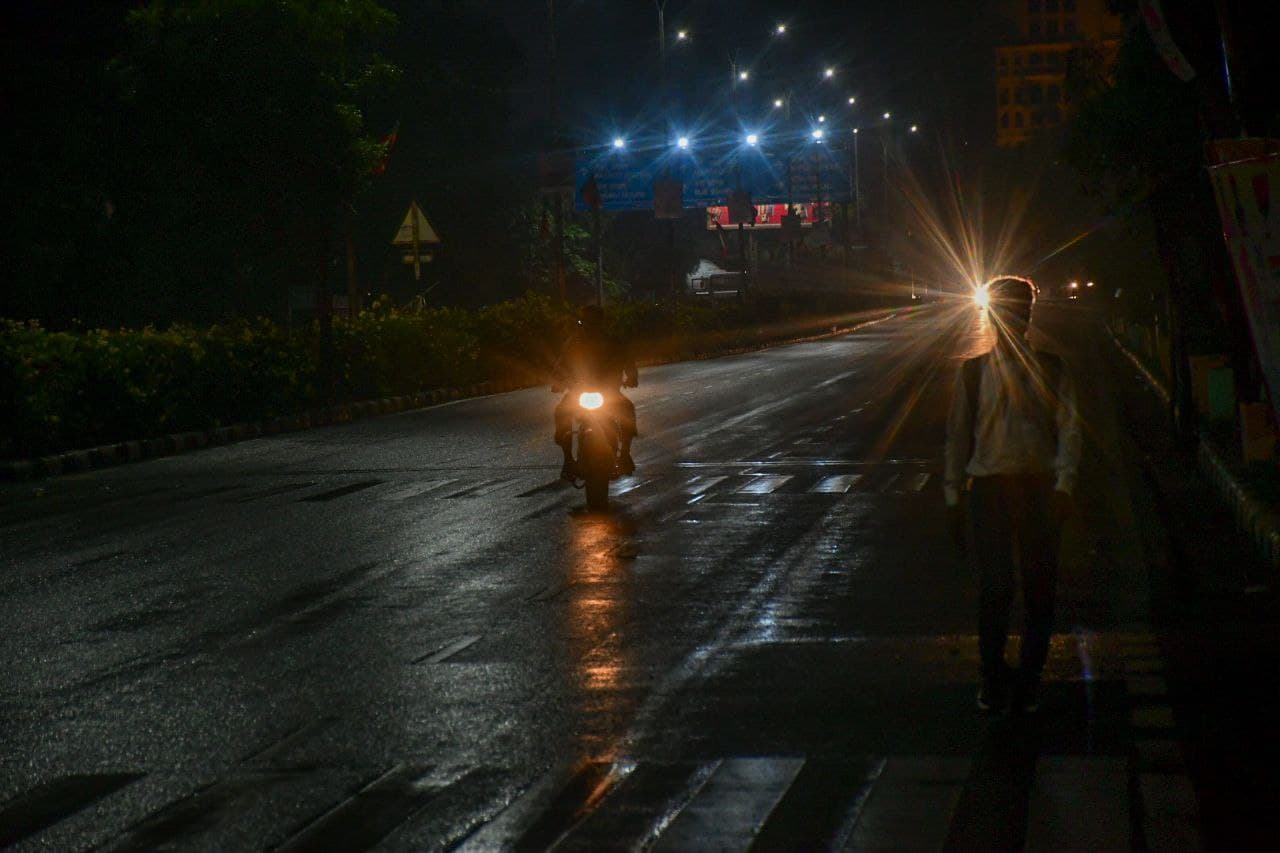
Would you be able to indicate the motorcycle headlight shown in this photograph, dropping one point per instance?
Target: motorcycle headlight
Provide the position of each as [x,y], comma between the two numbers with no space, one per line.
[590,400]
[982,297]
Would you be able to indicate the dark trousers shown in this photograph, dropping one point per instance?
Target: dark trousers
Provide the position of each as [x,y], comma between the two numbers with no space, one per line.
[620,408]
[1011,523]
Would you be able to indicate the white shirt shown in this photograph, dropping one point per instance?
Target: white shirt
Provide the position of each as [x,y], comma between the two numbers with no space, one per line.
[1012,434]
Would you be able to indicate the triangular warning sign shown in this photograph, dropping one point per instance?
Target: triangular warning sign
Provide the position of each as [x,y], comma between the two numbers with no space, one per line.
[415,219]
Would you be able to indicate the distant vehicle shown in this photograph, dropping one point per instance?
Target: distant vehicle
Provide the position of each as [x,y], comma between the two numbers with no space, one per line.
[724,284]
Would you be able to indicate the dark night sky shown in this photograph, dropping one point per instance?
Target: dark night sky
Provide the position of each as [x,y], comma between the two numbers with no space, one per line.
[928,61]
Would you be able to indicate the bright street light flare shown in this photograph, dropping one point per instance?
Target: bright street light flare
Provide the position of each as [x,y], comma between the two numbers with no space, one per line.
[830,72]
[619,142]
[743,75]
[887,116]
[817,134]
[780,29]
[982,296]
[777,102]
[682,142]
[852,101]
[914,128]
[752,139]
[822,119]
[681,35]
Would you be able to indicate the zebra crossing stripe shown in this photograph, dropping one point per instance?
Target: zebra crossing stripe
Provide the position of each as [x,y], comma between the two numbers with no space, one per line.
[763,484]
[1079,803]
[837,484]
[700,485]
[731,806]
[911,804]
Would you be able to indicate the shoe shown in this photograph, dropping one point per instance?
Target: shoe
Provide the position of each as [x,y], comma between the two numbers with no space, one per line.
[626,465]
[993,696]
[1026,695]
[568,471]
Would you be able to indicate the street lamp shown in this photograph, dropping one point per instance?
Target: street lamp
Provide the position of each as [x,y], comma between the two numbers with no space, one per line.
[781,29]
[752,139]
[817,134]
[619,142]
[821,119]
[887,116]
[852,100]
[829,73]
[914,128]
[682,35]
[683,143]
[744,75]
[777,103]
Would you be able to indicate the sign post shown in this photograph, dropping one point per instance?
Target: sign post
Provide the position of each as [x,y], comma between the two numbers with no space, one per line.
[414,231]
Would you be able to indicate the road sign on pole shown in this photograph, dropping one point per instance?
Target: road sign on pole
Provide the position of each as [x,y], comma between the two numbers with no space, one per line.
[414,231]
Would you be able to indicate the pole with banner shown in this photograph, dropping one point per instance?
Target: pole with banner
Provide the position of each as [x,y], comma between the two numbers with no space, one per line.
[668,205]
[1245,174]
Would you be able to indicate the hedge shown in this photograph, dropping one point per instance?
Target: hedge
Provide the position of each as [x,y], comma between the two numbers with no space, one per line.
[61,390]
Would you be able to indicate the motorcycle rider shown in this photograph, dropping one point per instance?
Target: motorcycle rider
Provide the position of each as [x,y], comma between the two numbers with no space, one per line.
[594,360]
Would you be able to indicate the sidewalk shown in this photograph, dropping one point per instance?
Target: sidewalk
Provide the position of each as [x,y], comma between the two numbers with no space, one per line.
[1255,515]
[1215,613]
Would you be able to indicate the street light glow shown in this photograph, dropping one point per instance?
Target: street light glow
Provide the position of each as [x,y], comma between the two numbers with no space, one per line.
[852,100]
[681,35]
[817,134]
[855,130]
[914,128]
[780,29]
[682,142]
[830,72]
[886,116]
[777,102]
[619,142]
[752,139]
[822,119]
[742,75]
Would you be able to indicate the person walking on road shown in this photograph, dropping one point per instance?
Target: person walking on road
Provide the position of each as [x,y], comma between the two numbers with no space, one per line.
[1014,437]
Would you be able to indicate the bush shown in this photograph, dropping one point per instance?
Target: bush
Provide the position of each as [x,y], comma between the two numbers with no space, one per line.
[60,390]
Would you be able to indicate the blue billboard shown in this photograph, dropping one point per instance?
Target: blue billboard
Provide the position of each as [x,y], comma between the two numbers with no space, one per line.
[625,178]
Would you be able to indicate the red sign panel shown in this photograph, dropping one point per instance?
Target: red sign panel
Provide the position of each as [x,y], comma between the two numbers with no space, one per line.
[768,216]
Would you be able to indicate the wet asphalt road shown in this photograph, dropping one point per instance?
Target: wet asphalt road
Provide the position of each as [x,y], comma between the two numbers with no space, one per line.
[403,632]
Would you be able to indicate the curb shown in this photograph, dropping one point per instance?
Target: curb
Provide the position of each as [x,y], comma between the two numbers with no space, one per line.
[106,455]
[1257,520]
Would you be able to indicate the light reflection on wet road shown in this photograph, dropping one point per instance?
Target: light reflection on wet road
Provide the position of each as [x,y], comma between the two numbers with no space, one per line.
[403,631]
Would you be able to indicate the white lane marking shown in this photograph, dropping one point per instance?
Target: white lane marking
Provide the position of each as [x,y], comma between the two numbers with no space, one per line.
[835,379]
[416,489]
[889,483]
[763,484]
[837,484]
[629,484]
[448,651]
[917,481]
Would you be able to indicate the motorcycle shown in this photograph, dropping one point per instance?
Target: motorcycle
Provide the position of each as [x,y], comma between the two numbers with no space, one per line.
[595,448]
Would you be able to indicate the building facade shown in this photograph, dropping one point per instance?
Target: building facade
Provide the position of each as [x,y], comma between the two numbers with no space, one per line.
[1031,68]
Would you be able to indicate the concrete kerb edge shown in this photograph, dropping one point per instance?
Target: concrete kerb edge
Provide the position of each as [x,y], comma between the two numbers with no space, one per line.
[1255,519]
[136,450]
